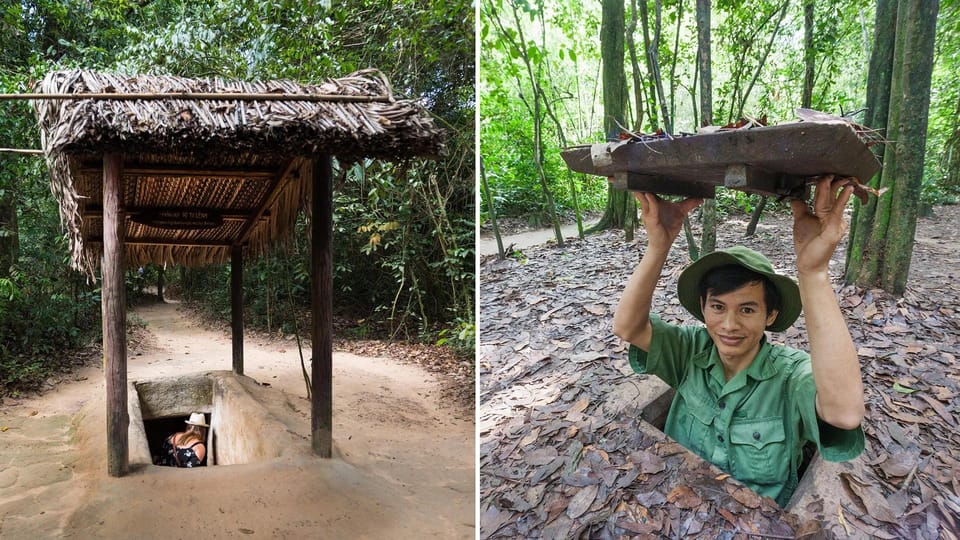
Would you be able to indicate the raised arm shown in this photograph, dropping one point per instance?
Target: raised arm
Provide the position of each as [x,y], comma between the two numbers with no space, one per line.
[836,369]
[663,221]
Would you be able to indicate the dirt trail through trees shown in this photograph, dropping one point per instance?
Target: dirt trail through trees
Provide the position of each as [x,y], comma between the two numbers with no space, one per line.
[403,466]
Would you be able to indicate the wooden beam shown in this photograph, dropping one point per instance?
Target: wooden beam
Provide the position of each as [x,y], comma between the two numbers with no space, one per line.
[96,211]
[321,285]
[180,171]
[274,191]
[236,306]
[166,242]
[114,320]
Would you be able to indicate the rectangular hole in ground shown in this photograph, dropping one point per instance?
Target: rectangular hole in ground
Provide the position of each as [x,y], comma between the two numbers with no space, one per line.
[655,414]
[158,429]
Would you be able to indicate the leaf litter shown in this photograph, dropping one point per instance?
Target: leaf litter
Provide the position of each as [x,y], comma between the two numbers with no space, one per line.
[561,457]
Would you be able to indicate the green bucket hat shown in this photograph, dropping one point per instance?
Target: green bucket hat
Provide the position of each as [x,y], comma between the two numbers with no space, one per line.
[688,285]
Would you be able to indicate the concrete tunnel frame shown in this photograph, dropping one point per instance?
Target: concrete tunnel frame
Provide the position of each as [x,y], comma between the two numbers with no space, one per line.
[241,429]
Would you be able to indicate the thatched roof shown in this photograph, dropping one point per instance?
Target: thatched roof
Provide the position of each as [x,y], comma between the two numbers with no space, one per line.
[239,166]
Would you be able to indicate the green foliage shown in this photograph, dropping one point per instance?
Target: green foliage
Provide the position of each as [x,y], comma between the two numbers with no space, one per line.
[569,83]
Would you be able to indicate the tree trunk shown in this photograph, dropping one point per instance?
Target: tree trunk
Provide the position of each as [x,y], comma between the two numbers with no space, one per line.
[951,153]
[492,209]
[708,236]
[879,78]
[886,258]
[809,55]
[9,233]
[160,283]
[755,217]
[614,105]
[551,206]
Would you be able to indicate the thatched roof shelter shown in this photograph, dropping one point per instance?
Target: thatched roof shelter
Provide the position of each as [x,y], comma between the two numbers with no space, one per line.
[172,170]
[202,175]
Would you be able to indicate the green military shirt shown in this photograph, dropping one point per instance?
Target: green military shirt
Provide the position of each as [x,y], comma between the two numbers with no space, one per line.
[753,426]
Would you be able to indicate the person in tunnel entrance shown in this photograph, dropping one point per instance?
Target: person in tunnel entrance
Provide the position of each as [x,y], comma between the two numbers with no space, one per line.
[743,404]
[187,448]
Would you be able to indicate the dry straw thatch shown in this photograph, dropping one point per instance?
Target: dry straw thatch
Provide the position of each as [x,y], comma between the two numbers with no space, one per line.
[246,161]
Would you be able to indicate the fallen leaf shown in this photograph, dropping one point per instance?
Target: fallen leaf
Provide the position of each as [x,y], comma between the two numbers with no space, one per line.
[530,437]
[747,497]
[540,456]
[596,309]
[871,498]
[580,405]
[899,464]
[903,389]
[728,516]
[581,501]
[684,497]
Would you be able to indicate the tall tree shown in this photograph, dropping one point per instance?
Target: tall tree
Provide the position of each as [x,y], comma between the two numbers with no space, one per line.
[708,237]
[879,80]
[9,235]
[619,203]
[887,240]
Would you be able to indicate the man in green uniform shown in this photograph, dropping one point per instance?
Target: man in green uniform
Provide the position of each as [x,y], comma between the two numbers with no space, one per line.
[741,403]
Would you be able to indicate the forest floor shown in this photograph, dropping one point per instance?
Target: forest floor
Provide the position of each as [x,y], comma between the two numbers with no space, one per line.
[403,465]
[562,454]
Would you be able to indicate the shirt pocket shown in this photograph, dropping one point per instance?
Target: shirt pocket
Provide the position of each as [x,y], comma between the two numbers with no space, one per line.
[696,424]
[758,451]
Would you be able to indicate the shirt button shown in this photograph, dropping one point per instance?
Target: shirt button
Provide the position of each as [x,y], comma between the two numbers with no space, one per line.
[756,435]
[720,438]
[722,404]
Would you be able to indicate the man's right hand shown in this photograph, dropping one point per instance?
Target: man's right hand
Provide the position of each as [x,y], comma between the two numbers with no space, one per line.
[662,219]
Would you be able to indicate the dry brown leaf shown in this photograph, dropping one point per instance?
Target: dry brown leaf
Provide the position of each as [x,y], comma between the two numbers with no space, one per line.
[530,438]
[581,501]
[899,464]
[747,497]
[540,456]
[579,406]
[684,497]
[596,309]
[871,498]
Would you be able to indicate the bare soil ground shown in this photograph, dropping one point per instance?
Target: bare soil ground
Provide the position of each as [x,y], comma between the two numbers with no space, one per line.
[562,456]
[403,464]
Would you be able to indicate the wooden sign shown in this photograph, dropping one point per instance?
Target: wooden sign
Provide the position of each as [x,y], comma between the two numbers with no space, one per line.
[179,219]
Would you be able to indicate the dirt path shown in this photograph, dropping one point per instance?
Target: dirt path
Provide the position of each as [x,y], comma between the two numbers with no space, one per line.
[403,466]
[487,244]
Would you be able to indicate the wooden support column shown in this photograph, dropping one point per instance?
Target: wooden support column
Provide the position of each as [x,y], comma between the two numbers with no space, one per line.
[114,319]
[236,306]
[321,280]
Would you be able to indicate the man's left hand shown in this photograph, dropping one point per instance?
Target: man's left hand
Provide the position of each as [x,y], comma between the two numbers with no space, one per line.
[817,232]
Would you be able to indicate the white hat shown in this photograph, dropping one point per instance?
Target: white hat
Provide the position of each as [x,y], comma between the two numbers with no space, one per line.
[197,419]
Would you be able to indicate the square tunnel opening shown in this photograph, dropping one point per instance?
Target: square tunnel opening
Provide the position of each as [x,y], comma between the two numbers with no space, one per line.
[655,412]
[158,429]
[242,430]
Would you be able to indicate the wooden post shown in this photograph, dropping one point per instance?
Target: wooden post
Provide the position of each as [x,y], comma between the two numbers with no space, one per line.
[321,280]
[236,306]
[114,319]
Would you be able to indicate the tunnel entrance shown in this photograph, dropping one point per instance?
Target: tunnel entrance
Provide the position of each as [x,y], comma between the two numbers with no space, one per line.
[241,429]
[158,429]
